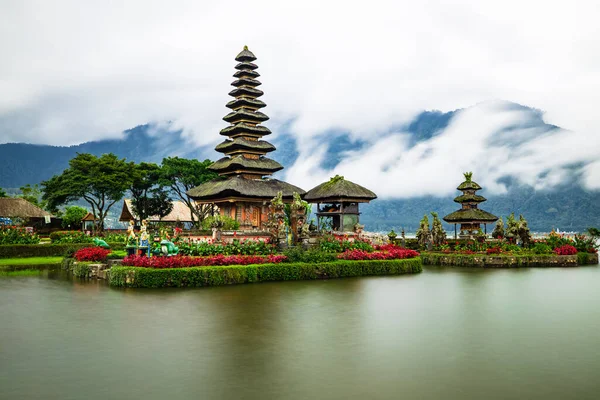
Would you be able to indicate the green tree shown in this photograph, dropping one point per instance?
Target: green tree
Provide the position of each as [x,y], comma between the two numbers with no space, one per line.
[423,233]
[181,175]
[100,181]
[148,196]
[3,193]
[33,194]
[73,216]
[498,232]
[438,234]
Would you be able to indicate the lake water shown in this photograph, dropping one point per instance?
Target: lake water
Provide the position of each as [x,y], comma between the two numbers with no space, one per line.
[444,333]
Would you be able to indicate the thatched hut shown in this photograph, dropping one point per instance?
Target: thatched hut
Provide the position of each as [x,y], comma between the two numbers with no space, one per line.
[31,215]
[337,202]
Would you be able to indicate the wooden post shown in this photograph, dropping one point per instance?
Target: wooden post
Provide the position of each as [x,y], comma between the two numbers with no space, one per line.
[455,237]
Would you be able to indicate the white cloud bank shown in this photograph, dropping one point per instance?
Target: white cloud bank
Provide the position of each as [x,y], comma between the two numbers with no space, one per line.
[73,71]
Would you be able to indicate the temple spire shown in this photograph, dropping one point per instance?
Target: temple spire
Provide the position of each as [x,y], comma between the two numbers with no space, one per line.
[245,151]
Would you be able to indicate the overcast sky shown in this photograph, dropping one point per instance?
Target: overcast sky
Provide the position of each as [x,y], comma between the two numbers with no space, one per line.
[74,71]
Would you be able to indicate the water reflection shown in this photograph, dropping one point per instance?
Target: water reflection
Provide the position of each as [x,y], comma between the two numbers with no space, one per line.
[451,333]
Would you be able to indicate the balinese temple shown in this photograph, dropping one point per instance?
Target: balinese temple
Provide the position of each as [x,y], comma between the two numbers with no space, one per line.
[470,217]
[337,203]
[245,189]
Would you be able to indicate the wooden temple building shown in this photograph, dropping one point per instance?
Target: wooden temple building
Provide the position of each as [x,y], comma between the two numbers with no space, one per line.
[245,188]
[470,217]
[337,203]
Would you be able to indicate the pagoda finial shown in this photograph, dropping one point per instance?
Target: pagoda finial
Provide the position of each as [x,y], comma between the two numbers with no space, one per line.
[245,47]
[468,176]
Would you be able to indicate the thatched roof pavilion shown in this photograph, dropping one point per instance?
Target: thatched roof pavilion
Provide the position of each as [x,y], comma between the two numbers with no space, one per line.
[16,207]
[247,189]
[340,199]
[470,217]
[34,216]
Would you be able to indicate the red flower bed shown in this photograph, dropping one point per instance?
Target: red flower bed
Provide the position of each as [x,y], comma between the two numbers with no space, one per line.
[185,261]
[565,250]
[385,252]
[494,250]
[91,254]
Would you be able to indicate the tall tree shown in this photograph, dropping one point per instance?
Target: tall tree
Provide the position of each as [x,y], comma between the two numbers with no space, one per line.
[3,193]
[73,216]
[181,175]
[148,195]
[100,181]
[33,194]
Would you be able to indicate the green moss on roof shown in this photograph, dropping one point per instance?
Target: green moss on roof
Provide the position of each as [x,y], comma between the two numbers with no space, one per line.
[241,187]
[470,198]
[248,115]
[241,127]
[246,102]
[241,143]
[226,164]
[245,55]
[246,91]
[339,188]
[246,82]
[470,215]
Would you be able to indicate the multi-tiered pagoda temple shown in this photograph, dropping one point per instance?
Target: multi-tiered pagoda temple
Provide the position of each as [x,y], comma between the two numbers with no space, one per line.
[245,192]
[470,217]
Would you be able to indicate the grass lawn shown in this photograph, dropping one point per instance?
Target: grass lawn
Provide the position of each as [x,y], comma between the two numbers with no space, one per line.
[30,261]
[23,272]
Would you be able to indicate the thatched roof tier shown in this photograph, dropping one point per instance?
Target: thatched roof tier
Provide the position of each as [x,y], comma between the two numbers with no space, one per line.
[246,91]
[242,164]
[246,82]
[246,130]
[180,212]
[244,115]
[246,73]
[473,215]
[89,217]
[246,102]
[470,198]
[16,207]
[237,144]
[245,55]
[338,189]
[246,65]
[469,185]
[239,187]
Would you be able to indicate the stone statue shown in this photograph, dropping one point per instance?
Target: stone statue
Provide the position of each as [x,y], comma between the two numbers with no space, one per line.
[131,238]
[144,234]
[276,219]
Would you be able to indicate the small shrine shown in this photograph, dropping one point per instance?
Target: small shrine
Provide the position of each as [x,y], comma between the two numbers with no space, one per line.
[470,217]
[337,204]
[245,189]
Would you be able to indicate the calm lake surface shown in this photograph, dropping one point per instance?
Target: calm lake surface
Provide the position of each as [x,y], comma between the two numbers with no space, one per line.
[445,333]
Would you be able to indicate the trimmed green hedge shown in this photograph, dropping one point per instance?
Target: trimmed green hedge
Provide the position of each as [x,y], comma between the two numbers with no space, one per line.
[47,250]
[507,261]
[228,275]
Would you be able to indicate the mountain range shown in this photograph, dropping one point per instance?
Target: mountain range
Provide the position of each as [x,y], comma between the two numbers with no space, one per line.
[567,206]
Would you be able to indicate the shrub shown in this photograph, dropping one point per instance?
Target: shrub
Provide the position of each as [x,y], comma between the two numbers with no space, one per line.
[69,237]
[493,250]
[185,262]
[565,250]
[541,248]
[10,234]
[229,224]
[335,244]
[313,255]
[243,247]
[91,254]
[386,252]
[235,274]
